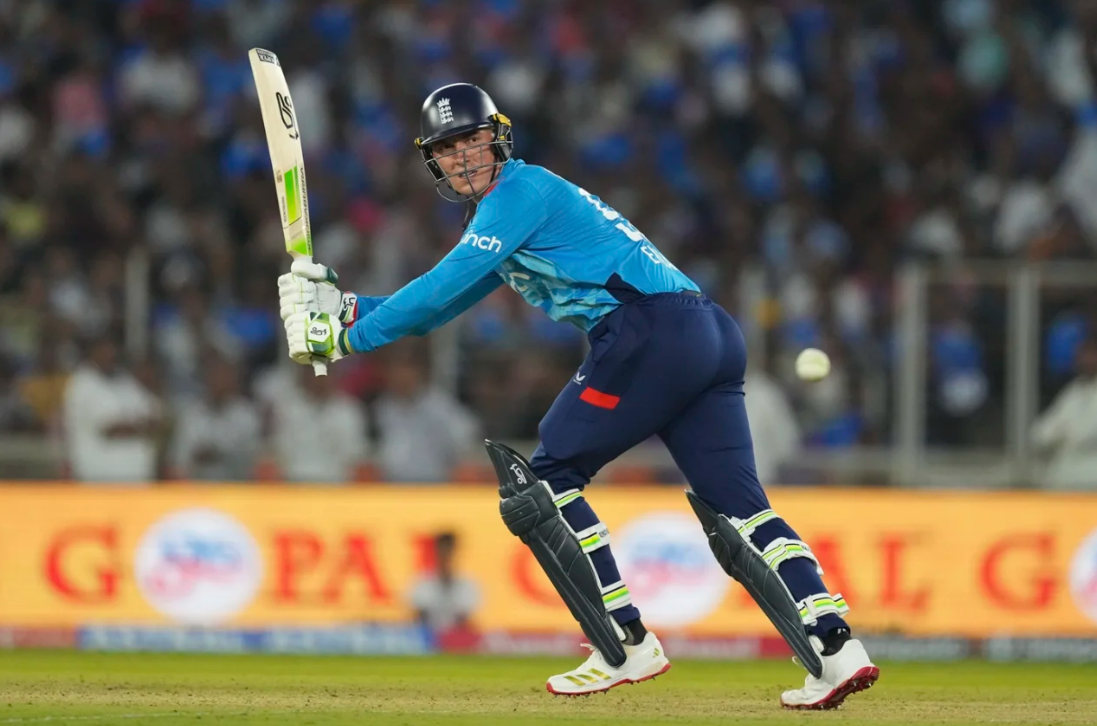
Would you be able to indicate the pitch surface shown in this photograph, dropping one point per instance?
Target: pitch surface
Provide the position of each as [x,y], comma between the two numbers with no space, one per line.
[89,689]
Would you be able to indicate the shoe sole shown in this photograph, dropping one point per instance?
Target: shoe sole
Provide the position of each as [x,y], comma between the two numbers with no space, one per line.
[664,669]
[860,681]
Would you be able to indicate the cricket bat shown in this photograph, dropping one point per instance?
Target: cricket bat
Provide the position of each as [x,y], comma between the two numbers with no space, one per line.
[284,144]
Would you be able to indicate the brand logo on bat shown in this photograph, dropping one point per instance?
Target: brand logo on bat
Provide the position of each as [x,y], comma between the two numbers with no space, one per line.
[267,57]
[444,112]
[491,244]
[285,109]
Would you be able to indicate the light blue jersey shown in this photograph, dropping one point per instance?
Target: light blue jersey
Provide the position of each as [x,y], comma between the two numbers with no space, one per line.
[558,246]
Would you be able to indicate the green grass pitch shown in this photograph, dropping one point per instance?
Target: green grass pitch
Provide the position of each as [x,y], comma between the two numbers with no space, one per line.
[61,688]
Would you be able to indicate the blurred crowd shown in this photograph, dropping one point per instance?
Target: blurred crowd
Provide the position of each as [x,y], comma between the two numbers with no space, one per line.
[822,142]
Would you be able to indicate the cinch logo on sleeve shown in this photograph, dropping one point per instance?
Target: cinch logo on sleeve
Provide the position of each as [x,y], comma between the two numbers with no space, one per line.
[491,244]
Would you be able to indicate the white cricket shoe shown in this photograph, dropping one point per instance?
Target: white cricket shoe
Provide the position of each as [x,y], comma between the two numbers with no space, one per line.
[847,671]
[642,662]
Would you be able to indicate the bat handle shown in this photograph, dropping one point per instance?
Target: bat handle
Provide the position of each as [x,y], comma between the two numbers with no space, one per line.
[319,367]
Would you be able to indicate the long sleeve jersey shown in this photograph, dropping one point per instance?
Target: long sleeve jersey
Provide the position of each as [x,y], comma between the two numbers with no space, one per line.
[558,246]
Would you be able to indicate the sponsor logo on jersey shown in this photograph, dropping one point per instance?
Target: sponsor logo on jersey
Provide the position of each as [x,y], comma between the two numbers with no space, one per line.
[491,244]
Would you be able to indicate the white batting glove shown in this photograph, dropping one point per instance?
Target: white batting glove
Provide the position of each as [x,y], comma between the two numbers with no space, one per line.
[316,336]
[309,287]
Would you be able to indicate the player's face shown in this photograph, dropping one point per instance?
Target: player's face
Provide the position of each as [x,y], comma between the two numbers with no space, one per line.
[467,161]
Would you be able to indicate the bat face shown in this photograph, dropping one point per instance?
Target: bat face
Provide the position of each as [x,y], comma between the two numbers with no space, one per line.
[284,144]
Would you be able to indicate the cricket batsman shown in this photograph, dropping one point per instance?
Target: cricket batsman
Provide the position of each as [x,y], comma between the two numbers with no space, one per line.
[664,360]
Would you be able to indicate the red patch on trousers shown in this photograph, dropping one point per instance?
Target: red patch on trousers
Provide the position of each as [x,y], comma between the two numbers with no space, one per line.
[599,399]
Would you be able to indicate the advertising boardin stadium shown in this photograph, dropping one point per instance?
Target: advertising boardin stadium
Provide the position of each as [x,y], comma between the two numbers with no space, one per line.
[919,563]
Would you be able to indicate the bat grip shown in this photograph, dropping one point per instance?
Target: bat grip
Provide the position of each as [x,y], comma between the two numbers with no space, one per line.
[319,367]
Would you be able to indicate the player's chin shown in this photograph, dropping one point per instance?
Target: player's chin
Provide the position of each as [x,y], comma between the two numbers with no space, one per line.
[474,184]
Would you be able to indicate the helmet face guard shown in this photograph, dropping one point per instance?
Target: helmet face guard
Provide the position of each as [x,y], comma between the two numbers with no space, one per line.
[501,144]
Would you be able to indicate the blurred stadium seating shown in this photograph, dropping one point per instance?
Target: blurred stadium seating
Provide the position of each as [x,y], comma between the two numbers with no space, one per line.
[793,156]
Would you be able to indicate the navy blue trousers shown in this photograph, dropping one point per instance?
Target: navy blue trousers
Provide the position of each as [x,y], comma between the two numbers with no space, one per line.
[670,365]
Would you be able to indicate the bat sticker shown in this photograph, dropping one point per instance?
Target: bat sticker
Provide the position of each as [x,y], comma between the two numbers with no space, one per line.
[267,57]
[286,111]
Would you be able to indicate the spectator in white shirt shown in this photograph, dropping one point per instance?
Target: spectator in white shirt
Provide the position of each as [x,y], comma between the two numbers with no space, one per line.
[444,600]
[112,422]
[424,431]
[319,434]
[773,424]
[1067,430]
[217,435]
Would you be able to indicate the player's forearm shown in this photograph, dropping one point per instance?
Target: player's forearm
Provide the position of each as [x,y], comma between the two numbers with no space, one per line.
[368,303]
[475,294]
[391,321]
[383,326]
